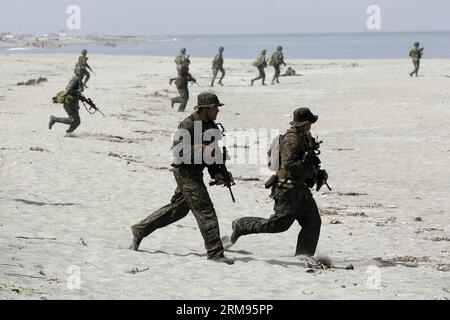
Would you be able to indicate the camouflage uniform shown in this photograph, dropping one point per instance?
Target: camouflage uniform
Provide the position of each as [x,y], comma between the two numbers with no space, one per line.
[277,59]
[260,63]
[179,59]
[82,67]
[217,65]
[182,86]
[190,195]
[71,105]
[416,55]
[289,72]
[293,198]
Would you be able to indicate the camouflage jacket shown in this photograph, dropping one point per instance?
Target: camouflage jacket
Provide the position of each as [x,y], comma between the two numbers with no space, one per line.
[218,61]
[290,72]
[179,59]
[82,62]
[74,88]
[277,58]
[193,142]
[415,53]
[183,78]
[73,92]
[293,147]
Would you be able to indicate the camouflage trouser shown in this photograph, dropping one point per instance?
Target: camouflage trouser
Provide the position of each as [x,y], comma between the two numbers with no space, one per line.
[182,99]
[85,75]
[215,71]
[74,117]
[262,74]
[416,67]
[277,73]
[290,205]
[191,194]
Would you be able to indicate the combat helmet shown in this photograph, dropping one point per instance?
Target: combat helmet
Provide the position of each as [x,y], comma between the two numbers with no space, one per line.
[279,48]
[416,44]
[220,49]
[84,52]
[263,51]
[183,50]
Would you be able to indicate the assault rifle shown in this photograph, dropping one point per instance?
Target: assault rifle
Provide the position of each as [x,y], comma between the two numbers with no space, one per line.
[228,180]
[91,104]
[320,175]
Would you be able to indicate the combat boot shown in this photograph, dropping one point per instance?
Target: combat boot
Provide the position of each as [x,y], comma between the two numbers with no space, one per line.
[220,82]
[135,242]
[51,122]
[251,81]
[236,234]
[222,258]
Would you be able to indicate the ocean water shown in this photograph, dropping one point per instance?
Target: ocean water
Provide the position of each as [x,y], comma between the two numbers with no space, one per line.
[371,45]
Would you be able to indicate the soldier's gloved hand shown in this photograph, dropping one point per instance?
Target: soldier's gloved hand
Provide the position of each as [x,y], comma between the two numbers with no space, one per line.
[219,179]
[322,177]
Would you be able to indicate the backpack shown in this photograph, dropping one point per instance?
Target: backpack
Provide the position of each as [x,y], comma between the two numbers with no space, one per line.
[272,60]
[60,97]
[273,154]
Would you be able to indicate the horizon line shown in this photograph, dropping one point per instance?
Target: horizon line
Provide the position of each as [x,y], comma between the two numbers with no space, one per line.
[234,34]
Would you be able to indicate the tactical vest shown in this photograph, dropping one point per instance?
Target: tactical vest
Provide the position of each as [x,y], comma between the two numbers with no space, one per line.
[283,174]
[415,53]
[179,59]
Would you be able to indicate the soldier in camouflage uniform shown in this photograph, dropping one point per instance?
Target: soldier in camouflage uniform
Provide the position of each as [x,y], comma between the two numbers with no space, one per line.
[182,86]
[82,65]
[416,54]
[276,60]
[289,72]
[179,60]
[217,65]
[291,191]
[190,150]
[260,63]
[71,103]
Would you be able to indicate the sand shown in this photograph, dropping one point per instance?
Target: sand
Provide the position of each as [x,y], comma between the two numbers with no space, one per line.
[67,203]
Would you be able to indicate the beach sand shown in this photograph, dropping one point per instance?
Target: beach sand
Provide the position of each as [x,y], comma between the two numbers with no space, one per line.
[67,203]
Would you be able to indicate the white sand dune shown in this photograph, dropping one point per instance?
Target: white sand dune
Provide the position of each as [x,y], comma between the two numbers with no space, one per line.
[67,203]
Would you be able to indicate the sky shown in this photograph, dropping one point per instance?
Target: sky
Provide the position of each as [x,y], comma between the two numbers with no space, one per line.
[177,17]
